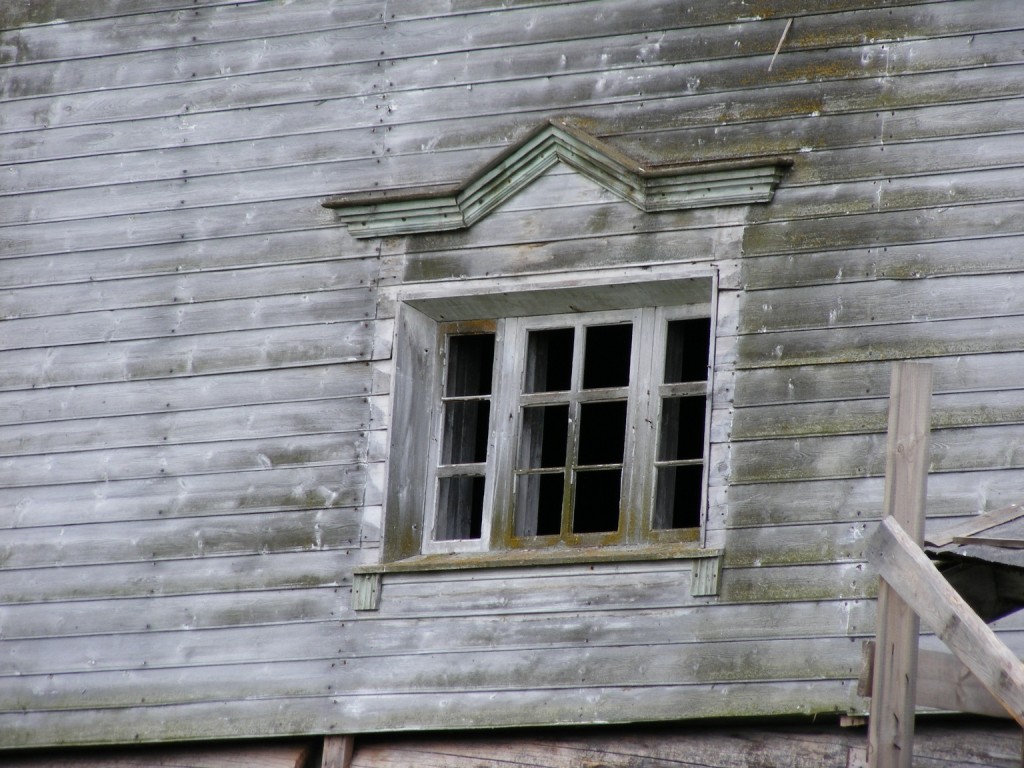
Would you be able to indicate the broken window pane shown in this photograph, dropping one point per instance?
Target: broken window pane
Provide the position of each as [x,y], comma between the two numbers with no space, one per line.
[470,364]
[544,436]
[602,432]
[549,360]
[465,431]
[606,357]
[686,350]
[596,506]
[539,501]
[677,499]
[682,428]
[460,508]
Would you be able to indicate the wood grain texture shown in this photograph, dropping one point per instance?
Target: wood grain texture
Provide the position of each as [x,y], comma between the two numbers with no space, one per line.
[196,362]
[905,566]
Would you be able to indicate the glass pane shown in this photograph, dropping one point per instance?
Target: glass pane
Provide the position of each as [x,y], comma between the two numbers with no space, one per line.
[682,428]
[596,506]
[606,357]
[549,360]
[460,508]
[602,432]
[545,432]
[470,364]
[686,350]
[465,431]
[539,504]
[677,497]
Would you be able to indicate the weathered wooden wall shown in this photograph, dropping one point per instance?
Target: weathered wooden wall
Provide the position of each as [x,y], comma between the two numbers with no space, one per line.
[194,361]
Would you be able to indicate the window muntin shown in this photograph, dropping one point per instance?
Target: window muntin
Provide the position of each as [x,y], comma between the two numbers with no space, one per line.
[594,431]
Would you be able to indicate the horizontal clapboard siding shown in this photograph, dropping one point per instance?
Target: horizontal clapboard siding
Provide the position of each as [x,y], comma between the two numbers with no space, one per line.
[195,359]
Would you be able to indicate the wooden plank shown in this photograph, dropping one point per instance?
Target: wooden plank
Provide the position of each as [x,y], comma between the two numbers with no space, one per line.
[154,541]
[86,199]
[73,636]
[160,228]
[142,724]
[955,496]
[975,525]
[875,301]
[571,671]
[27,13]
[295,248]
[943,683]
[168,357]
[215,457]
[284,489]
[842,457]
[685,45]
[284,755]
[872,344]
[176,27]
[180,289]
[839,52]
[887,228]
[944,744]
[786,543]
[868,415]
[891,727]
[984,374]
[337,751]
[902,564]
[410,653]
[99,626]
[240,573]
[126,398]
[352,153]
[245,422]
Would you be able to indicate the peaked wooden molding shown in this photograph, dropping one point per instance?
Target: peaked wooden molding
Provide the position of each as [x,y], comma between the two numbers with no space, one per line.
[649,188]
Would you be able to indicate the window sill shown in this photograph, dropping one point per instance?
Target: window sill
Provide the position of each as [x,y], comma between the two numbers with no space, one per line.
[706,568]
[513,558]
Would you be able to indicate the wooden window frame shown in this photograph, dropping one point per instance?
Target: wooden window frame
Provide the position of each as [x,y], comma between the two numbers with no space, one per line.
[422,324]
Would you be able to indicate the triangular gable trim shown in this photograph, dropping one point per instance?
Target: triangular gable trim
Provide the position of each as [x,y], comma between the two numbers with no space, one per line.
[649,188]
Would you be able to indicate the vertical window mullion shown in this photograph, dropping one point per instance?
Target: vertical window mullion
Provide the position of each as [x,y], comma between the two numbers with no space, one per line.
[643,395]
[573,448]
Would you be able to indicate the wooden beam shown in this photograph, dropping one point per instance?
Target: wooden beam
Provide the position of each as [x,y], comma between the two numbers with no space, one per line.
[891,727]
[975,525]
[338,751]
[943,682]
[905,567]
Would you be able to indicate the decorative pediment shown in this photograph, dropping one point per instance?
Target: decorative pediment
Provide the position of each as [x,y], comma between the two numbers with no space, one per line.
[650,188]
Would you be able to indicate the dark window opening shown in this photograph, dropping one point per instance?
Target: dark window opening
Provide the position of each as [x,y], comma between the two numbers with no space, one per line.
[539,503]
[549,360]
[606,356]
[677,497]
[602,432]
[596,504]
[460,507]
[682,428]
[465,433]
[686,350]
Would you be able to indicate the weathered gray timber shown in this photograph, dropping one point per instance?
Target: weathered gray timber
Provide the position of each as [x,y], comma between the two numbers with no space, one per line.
[197,360]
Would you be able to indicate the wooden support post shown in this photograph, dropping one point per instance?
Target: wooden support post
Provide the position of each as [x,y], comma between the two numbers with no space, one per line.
[902,563]
[338,751]
[891,727]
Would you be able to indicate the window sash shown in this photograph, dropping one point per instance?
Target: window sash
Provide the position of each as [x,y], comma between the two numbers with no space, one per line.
[507,400]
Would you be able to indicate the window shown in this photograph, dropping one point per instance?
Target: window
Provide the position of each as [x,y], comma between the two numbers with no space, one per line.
[553,419]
